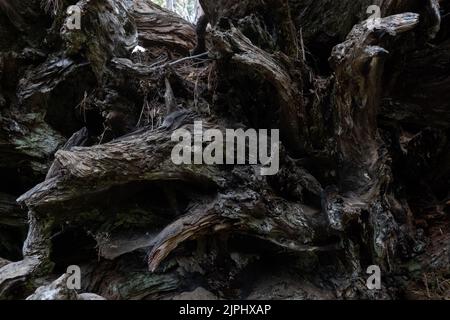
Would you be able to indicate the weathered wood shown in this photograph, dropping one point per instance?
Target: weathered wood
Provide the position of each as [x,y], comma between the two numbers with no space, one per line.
[358,64]
[288,225]
[364,157]
[237,51]
[10,212]
[161,28]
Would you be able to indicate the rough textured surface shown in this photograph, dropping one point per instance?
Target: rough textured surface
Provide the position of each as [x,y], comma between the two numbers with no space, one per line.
[57,290]
[86,118]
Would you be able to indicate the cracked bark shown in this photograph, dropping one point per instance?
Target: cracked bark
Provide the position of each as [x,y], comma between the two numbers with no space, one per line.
[85,140]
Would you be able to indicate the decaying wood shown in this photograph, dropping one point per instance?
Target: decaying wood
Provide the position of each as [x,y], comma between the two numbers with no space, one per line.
[358,64]
[58,290]
[86,119]
[238,52]
[288,225]
[159,27]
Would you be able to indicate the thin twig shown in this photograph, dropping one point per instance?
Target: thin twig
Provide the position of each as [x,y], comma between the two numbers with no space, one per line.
[302,44]
[189,58]
[172,63]
[426,285]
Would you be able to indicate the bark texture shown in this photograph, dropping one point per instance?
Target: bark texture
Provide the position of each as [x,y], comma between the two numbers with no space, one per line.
[87,179]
